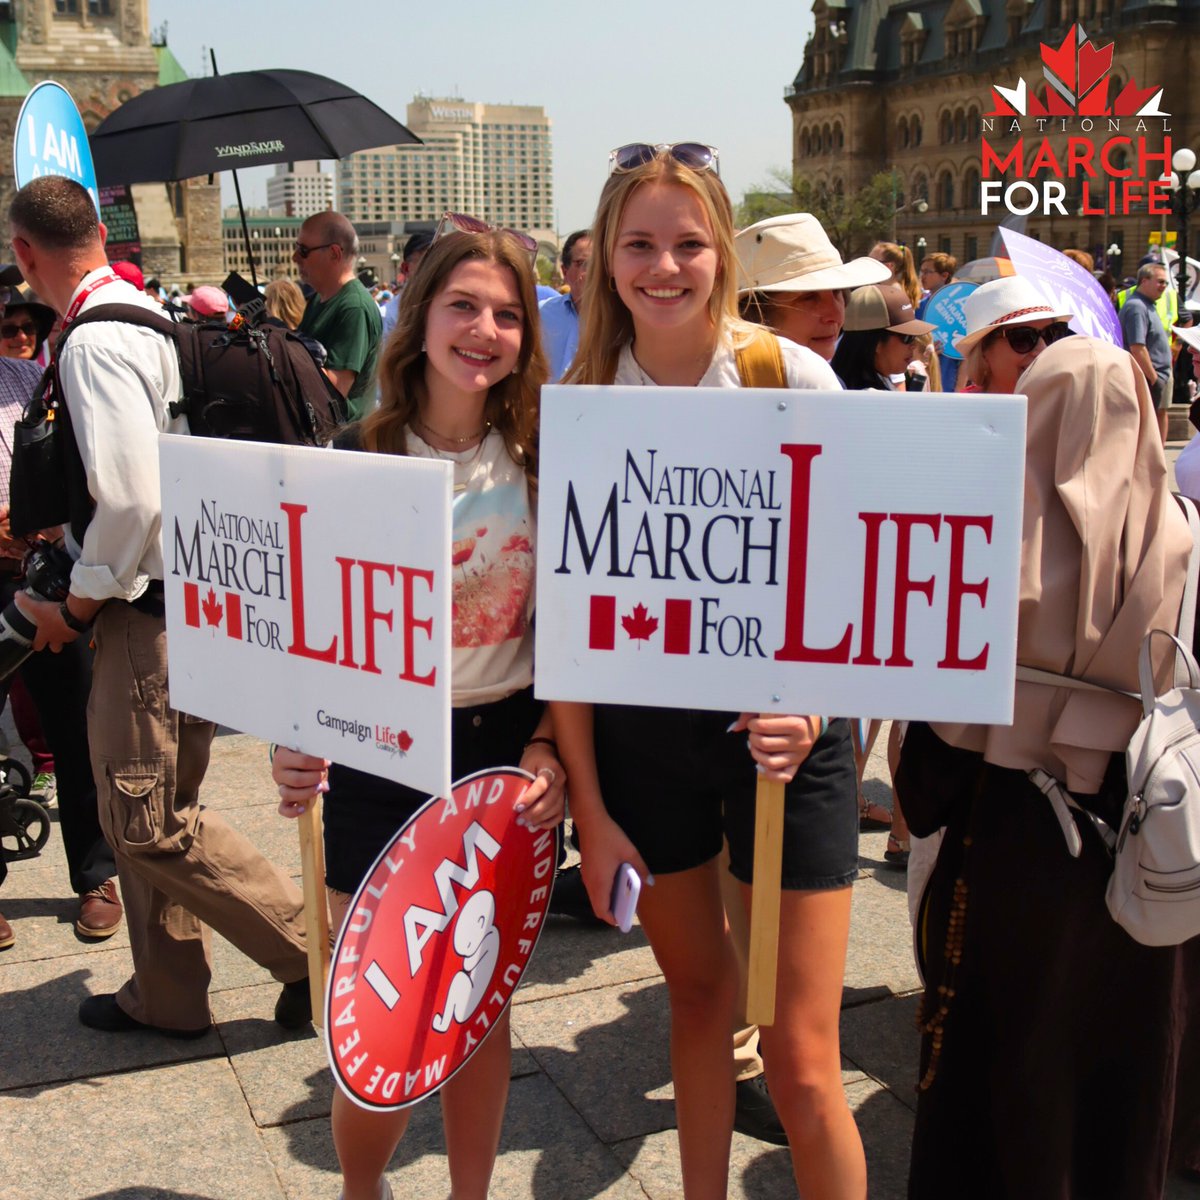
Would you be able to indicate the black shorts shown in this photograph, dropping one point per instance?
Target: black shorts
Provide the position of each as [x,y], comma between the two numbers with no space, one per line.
[363,812]
[677,817]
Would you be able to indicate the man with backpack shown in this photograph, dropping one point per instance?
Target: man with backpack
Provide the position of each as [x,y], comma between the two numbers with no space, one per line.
[182,868]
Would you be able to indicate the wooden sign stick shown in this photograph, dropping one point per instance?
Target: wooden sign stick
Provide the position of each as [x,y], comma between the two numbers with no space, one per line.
[764,909]
[316,911]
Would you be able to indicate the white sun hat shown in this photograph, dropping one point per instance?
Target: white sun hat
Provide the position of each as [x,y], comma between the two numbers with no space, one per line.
[1009,300]
[793,253]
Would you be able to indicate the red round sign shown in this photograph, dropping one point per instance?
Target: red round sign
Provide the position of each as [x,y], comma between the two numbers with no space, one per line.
[439,934]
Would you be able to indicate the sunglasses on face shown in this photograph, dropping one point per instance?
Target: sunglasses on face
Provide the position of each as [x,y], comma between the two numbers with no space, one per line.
[304,251]
[10,329]
[1022,338]
[906,338]
[452,222]
[696,156]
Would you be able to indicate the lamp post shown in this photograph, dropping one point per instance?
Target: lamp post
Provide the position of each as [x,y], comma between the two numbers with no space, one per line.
[397,259]
[921,244]
[1185,200]
[919,205]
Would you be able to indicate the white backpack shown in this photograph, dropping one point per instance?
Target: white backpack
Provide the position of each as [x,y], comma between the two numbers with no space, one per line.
[1154,891]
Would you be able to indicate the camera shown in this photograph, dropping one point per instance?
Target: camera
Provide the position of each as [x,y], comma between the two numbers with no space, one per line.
[47,577]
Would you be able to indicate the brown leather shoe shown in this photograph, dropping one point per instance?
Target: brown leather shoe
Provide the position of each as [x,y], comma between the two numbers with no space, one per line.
[100,911]
[7,937]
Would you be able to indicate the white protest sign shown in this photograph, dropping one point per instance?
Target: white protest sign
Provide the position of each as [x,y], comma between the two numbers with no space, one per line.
[780,551]
[308,600]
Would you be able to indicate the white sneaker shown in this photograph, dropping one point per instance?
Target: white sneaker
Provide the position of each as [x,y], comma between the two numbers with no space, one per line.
[44,787]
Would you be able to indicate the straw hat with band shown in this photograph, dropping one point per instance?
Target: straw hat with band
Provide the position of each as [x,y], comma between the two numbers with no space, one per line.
[21,295]
[883,306]
[793,253]
[1010,300]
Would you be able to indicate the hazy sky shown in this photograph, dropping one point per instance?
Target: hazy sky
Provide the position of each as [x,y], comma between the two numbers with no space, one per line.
[606,73]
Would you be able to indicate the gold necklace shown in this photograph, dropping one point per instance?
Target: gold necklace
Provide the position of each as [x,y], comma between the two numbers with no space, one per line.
[458,441]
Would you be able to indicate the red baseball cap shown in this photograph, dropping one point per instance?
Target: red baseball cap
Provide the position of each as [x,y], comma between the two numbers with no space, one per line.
[131,274]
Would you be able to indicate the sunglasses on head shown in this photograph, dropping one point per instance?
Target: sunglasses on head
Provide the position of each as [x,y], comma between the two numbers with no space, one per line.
[11,329]
[696,156]
[453,222]
[1023,338]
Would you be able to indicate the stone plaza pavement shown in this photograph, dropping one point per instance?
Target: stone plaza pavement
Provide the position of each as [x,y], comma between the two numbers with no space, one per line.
[243,1113]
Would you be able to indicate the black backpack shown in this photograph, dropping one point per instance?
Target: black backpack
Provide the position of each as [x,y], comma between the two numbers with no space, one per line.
[257,383]
[253,383]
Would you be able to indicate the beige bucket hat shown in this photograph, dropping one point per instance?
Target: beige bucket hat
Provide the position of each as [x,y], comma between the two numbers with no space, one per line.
[793,253]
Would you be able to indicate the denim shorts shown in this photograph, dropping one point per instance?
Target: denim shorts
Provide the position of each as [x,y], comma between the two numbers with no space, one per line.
[363,812]
[677,815]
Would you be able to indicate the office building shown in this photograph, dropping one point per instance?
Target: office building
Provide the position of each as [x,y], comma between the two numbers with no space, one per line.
[299,190]
[492,161]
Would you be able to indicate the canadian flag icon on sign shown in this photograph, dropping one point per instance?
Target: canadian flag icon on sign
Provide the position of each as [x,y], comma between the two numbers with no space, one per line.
[209,610]
[641,625]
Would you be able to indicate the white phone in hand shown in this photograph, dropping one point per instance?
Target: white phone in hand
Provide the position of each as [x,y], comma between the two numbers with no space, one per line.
[627,887]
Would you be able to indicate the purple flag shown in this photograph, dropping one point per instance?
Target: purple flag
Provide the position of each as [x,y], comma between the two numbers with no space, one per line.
[1066,285]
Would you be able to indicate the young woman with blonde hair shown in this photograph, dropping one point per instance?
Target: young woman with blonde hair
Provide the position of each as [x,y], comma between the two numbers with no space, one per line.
[460,380]
[285,302]
[899,260]
[661,309]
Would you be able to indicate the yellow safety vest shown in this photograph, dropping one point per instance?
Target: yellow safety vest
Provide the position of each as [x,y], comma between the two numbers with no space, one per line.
[1167,305]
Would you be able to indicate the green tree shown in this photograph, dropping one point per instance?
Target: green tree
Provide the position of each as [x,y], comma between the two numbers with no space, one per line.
[853,222]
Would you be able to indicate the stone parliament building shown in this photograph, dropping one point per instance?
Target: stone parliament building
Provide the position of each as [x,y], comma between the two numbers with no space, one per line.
[907,85]
[103,53]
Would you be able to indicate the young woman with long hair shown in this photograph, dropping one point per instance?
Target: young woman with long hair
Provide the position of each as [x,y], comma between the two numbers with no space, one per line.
[661,308]
[899,260]
[459,381]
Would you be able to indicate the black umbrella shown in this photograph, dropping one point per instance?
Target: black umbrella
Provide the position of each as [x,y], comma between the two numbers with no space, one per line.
[225,122]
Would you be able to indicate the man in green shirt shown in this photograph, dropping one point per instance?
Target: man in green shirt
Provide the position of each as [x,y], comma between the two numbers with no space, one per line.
[342,316]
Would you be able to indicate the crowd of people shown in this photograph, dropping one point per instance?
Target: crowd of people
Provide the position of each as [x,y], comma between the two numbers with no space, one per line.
[1055,1050]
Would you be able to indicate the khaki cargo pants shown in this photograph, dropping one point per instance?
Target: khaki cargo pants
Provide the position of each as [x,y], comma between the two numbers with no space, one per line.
[182,868]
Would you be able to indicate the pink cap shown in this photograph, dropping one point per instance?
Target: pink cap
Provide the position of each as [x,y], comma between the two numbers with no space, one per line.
[207,301]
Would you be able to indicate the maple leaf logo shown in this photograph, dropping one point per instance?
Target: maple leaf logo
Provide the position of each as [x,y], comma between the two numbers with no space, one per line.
[639,624]
[212,610]
[404,741]
[1077,75]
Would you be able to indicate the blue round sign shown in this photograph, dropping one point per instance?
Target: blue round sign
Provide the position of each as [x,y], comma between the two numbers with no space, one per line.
[945,310]
[50,139]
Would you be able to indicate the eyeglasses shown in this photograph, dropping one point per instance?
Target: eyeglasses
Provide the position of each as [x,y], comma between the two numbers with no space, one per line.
[696,156]
[304,251]
[906,338]
[10,329]
[1023,338]
[452,222]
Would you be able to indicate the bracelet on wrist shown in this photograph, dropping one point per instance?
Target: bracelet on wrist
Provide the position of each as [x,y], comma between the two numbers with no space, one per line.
[543,741]
[71,621]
